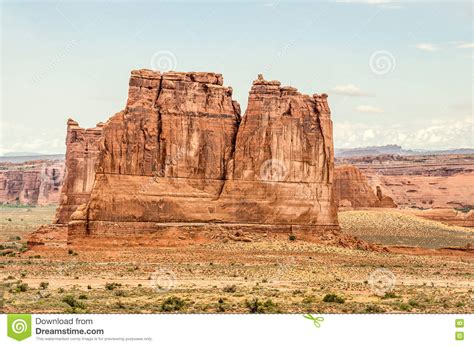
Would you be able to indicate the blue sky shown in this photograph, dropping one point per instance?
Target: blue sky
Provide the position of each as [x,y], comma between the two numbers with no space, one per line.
[396,73]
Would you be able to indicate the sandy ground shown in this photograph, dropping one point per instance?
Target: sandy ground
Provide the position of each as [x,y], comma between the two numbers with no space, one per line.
[264,277]
[399,227]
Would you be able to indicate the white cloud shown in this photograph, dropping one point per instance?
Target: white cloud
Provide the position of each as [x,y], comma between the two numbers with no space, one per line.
[465,45]
[37,145]
[368,109]
[433,47]
[349,90]
[439,134]
[429,47]
[369,134]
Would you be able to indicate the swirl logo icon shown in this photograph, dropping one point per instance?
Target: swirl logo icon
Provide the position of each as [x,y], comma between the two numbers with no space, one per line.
[382,281]
[273,170]
[19,326]
[164,280]
[164,61]
[382,62]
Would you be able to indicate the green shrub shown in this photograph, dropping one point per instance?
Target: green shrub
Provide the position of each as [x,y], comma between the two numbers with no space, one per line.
[120,293]
[374,309]
[291,237]
[404,307]
[390,295]
[172,303]
[466,209]
[230,289]
[82,296]
[22,287]
[333,298]
[73,302]
[44,285]
[257,307]
[112,285]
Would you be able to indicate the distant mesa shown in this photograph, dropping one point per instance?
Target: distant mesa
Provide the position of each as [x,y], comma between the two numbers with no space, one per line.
[394,149]
[18,157]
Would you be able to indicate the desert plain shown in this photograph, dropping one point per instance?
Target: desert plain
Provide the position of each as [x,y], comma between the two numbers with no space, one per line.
[264,274]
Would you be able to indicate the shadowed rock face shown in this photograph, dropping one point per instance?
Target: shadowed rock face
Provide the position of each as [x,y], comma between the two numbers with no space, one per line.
[180,154]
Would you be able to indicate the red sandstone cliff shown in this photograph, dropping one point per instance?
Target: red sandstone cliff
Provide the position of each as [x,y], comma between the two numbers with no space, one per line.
[180,153]
[33,182]
[351,189]
[82,150]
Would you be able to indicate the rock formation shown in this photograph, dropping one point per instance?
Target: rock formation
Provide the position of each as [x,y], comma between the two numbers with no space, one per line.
[422,181]
[82,151]
[32,182]
[351,190]
[179,155]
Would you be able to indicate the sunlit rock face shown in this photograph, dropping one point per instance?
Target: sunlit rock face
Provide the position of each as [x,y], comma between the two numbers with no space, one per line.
[181,155]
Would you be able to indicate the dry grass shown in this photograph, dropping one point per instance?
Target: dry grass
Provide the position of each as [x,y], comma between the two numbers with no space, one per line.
[396,228]
[16,222]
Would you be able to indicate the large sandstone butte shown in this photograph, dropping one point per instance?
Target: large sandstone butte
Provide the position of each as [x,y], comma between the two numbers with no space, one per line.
[180,156]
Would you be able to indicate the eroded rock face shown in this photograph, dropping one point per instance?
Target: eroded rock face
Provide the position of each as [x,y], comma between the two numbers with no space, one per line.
[82,151]
[32,182]
[181,154]
[352,190]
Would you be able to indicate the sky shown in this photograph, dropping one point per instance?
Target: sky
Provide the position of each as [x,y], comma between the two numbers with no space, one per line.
[396,72]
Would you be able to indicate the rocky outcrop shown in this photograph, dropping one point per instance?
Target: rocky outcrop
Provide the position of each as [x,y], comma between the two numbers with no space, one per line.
[82,151]
[32,182]
[180,154]
[422,181]
[352,190]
